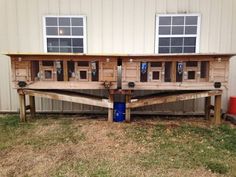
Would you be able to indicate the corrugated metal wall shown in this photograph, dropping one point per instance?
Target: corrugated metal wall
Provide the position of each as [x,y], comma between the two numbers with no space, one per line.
[113,26]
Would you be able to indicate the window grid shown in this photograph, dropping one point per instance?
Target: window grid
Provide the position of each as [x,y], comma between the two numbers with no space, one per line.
[80,49]
[170,24]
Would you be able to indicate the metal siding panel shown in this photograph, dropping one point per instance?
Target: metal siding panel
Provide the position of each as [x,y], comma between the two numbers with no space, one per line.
[23,25]
[205,9]
[96,26]
[86,10]
[139,26]
[128,22]
[75,7]
[117,24]
[214,26]
[226,26]
[64,7]
[53,6]
[5,95]
[183,6]
[161,6]
[149,26]
[194,6]
[172,6]
[107,26]
[232,66]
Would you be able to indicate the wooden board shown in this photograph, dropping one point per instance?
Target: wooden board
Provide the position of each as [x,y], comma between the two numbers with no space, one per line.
[172,98]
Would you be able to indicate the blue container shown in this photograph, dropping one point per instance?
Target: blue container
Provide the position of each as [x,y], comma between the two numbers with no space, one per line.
[119,112]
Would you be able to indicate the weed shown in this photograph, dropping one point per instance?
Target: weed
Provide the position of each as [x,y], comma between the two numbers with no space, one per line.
[217,167]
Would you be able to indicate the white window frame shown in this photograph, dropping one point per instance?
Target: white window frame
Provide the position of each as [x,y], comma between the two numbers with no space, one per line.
[174,35]
[45,36]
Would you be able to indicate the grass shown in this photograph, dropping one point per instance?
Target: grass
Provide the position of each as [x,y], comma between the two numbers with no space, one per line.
[73,147]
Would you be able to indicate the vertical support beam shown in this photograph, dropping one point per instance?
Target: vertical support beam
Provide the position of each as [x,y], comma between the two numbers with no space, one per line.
[110,110]
[65,70]
[217,110]
[127,110]
[207,108]
[32,106]
[22,107]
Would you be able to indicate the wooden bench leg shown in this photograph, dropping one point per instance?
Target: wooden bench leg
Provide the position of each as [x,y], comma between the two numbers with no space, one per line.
[22,107]
[110,110]
[207,108]
[217,110]
[127,110]
[32,106]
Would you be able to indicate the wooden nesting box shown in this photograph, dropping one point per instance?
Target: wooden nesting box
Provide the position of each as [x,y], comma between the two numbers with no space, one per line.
[191,76]
[50,71]
[175,72]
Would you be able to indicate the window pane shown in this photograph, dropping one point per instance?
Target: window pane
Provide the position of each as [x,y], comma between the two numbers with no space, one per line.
[178,20]
[53,49]
[177,41]
[51,31]
[78,50]
[77,21]
[177,30]
[64,31]
[190,29]
[51,21]
[176,49]
[164,41]
[65,42]
[52,42]
[77,42]
[65,49]
[64,21]
[164,49]
[164,30]
[189,49]
[164,20]
[190,41]
[77,31]
[191,20]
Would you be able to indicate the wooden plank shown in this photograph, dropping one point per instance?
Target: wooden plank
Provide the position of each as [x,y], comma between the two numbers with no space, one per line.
[76,98]
[172,86]
[32,106]
[207,107]
[22,107]
[65,70]
[69,85]
[127,110]
[172,98]
[217,110]
[110,110]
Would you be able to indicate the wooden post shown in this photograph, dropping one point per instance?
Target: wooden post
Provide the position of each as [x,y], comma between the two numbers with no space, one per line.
[127,110]
[207,108]
[32,106]
[217,110]
[22,107]
[110,110]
